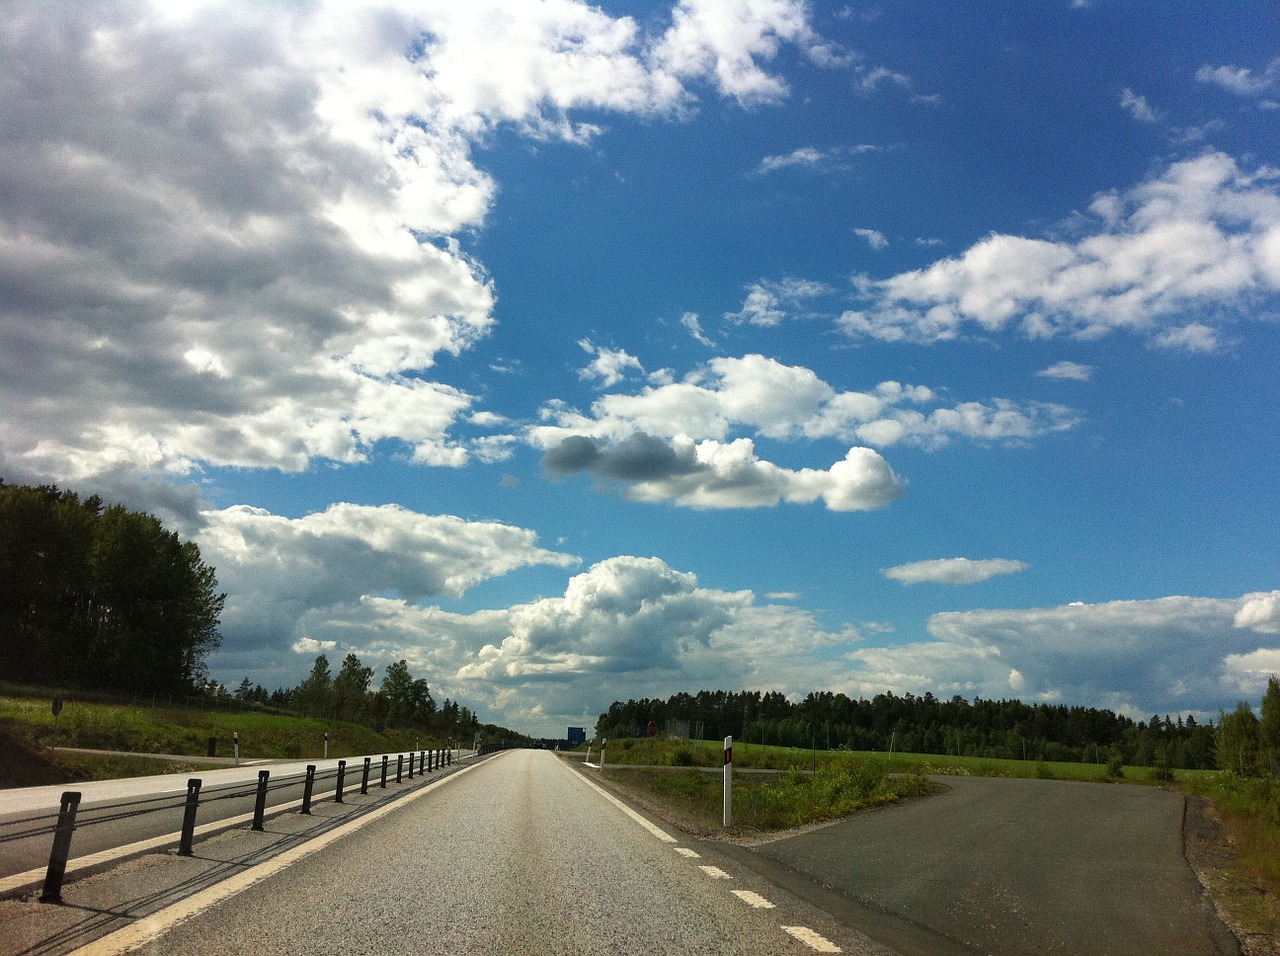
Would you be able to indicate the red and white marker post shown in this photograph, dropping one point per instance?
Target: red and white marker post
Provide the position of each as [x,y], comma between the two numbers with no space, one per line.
[728,781]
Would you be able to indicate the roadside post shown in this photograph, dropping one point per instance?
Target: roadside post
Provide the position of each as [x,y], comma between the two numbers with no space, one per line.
[326,745]
[189,816]
[260,800]
[728,781]
[307,788]
[603,744]
[235,744]
[61,848]
[342,776]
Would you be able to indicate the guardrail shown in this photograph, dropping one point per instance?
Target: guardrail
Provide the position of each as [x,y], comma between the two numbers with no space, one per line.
[62,830]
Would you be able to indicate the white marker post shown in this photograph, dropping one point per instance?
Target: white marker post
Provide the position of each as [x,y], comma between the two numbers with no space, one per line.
[728,781]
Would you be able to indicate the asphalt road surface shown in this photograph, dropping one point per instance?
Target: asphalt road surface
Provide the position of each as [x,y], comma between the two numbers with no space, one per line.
[516,854]
[1014,867]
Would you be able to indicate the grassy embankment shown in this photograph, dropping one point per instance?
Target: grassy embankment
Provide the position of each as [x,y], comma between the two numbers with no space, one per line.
[29,724]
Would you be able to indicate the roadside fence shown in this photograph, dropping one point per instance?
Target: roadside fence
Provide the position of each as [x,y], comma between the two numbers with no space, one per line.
[68,820]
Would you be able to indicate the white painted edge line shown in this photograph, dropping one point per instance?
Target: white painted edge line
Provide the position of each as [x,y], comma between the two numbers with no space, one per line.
[150,927]
[813,940]
[753,899]
[715,872]
[653,828]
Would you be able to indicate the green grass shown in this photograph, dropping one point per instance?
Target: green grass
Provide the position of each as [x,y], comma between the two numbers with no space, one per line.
[789,799]
[163,730]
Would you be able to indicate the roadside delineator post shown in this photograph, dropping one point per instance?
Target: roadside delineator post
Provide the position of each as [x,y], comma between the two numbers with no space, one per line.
[260,804]
[307,788]
[189,816]
[385,758]
[364,779]
[603,745]
[342,775]
[728,781]
[61,848]
[399,768]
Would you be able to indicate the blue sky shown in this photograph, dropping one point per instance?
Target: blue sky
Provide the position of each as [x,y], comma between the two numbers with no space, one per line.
[582,353]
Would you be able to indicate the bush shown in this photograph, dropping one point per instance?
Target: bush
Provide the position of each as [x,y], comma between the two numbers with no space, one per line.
[1115,766]
[681,756]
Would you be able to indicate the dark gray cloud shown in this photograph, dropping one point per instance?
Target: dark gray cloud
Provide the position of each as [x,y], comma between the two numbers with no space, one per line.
[639,457]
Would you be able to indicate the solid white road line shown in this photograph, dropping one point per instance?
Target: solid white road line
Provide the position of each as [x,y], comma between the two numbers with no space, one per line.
[657,831]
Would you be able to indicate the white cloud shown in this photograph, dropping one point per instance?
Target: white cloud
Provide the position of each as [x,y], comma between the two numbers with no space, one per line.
[1166,655]
[1068,370]
[1241,80]
[1201,238]
[278,571]
[226,232]
[875,239]
[953,570]
[805,156]
[1260,612]
[790,402]
[690,321]
[769,303]
[609,366]
[1137,106]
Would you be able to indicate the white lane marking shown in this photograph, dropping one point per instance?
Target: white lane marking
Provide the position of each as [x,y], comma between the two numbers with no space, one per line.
[753,899]
[812,939]
[657,831]
[691,854]
[715,872]
[149,928]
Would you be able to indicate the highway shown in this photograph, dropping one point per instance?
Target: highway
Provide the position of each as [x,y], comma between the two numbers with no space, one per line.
[516,853]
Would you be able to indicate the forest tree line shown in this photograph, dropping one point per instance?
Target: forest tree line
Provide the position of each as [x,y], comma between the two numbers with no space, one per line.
[100,597]
[401,700]
[978,728]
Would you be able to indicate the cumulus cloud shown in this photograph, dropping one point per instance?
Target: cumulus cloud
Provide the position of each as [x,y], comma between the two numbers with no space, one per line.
[786,402]
[1165,655]
[1260,612]
[626,626]
[610,366]
[1201,241]
[278,570]
[226,233]
[953,570]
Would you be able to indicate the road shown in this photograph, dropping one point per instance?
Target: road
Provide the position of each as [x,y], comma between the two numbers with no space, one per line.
[106,820]
[1011,867]
[518,853]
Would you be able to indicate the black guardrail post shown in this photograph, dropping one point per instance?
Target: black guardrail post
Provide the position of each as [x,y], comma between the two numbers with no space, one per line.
[342,773]
[399,768]
[260,804]
[364,778]
[61,848]
[422,761]
[384,772]
[411,756]
[189,816]
[308,787]
[449,756]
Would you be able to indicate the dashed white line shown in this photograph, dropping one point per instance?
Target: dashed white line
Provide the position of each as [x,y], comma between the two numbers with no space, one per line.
[813,940]
[715,872]
[691,854]
[754,900]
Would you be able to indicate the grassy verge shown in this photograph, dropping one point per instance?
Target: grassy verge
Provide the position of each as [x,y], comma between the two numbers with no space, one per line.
[765,803]
[161,730]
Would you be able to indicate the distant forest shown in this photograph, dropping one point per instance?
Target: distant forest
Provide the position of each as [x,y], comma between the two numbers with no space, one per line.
[978,728]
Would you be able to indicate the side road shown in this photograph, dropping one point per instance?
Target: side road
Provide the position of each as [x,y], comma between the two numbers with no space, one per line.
[1010,867]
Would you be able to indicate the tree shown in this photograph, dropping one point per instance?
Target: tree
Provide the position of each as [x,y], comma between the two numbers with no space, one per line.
[351,689]
[1237,740]
[314,696]
[1269,728]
